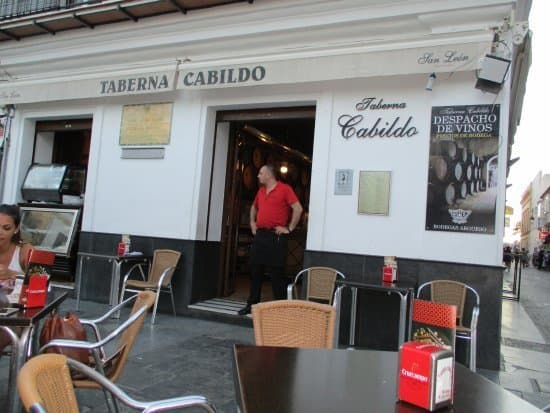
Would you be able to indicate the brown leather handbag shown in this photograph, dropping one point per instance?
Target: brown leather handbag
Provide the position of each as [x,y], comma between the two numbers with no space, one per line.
[68,328]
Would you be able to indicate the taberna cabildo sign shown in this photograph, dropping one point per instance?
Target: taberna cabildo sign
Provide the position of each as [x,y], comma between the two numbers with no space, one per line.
[376,118]
[224,76]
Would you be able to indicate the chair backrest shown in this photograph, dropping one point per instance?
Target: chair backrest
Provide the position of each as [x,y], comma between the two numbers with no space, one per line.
[294,323]
[128,336]
[45,379]
[434,323]
[163,259]
[320,283]
[450,292]
[115,363]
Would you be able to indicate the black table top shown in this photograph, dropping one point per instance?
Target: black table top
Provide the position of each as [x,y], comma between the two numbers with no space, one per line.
[287,380]
[29,316]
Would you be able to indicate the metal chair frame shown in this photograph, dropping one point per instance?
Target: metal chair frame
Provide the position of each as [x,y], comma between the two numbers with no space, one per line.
[143,406]
[462,332]
[308,271]
[97,348]
[159,288]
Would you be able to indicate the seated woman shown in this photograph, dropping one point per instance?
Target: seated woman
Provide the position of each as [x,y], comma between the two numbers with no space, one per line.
[14,253]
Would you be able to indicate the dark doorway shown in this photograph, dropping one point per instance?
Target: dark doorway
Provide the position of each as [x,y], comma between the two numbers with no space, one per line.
[282,137]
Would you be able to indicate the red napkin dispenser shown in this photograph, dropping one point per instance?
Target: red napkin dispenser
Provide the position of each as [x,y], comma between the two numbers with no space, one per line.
[37,292]
[426,375]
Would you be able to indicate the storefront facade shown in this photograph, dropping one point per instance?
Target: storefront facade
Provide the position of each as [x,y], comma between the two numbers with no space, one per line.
[362,69]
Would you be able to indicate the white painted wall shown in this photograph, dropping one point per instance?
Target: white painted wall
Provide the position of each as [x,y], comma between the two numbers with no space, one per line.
[169,197]
[402,232]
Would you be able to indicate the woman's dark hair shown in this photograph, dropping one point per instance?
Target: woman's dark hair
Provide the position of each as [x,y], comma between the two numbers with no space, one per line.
[13,212]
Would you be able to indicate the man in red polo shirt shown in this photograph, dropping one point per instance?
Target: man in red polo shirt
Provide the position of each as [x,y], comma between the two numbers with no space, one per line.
[274,214]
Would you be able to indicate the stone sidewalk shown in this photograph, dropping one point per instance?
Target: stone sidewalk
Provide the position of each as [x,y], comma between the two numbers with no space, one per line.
[525,342]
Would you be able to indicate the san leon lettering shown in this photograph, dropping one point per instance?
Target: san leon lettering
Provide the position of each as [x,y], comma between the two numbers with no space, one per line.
[450,56]
[360,127]
[224,76]
[134,84]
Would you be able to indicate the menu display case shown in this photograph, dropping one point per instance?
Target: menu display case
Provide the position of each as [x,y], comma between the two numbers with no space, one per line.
[50,219]
[50,229]
[44,183]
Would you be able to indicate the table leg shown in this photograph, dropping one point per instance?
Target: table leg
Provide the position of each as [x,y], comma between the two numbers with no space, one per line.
[18,356]
[402,316]
[338,306]
[77,281]
[112,286]
[353,316]
[410,297]
[115,291]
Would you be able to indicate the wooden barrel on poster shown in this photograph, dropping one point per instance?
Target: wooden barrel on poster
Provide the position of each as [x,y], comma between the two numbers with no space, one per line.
[473,187]
[463,154]
[445,169]
[457,171]
[439,169]
[462,189]
[448,149]
[441,195]
[469,172]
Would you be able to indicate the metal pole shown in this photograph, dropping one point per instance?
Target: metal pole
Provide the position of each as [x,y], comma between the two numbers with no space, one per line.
[9,113]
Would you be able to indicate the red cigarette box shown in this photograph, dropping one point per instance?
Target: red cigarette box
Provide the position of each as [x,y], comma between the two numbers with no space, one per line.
[37,291]
[426,375]
[39,264]
[389,274]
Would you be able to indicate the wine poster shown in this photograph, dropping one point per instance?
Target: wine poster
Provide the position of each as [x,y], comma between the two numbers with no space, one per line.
[463,169]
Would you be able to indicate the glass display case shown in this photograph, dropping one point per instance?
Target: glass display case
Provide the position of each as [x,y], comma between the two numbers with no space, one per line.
[44,183]
[50,229]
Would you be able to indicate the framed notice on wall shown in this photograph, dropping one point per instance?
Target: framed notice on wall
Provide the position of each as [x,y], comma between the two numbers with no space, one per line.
[374,192]
[147,124]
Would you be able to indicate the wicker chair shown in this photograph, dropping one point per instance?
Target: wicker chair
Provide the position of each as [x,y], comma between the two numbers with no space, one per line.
[294,323]
[158,280]
[45,385]
[454,292]
[111,366]
[320,284]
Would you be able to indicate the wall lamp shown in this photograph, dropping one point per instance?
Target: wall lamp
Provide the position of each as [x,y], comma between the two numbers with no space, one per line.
[430,82]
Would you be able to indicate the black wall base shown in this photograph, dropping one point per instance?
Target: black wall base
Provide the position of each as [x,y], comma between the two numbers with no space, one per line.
[379,316]
[195,278]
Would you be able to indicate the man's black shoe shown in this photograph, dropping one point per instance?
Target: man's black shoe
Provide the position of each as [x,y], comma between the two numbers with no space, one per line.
[247,309]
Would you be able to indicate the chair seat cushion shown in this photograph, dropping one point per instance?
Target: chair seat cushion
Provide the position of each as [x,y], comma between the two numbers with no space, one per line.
[140,284]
